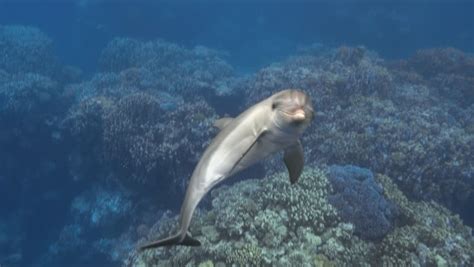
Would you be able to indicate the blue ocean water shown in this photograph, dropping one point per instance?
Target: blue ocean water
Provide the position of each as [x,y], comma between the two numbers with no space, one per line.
[107,106]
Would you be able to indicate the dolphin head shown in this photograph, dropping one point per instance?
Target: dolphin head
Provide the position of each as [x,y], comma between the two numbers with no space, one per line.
[292,110]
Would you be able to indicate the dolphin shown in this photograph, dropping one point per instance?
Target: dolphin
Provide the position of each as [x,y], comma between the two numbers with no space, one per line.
[272,125]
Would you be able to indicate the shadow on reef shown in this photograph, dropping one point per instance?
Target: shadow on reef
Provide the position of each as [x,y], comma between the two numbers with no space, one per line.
[90,167]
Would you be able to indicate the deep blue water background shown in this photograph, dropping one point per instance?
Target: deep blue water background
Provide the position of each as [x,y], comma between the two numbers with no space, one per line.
[254,35]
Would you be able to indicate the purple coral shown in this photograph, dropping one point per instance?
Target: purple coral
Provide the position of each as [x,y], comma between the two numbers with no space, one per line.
[359,200]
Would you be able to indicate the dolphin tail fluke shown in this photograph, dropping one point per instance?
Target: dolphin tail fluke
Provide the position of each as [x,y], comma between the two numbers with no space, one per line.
[174,240]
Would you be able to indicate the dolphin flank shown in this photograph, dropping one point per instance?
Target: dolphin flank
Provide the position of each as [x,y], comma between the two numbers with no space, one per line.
[272,125]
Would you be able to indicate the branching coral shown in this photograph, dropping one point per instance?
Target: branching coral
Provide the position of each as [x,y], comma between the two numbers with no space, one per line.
[248,255]
[430,233]
[304,206]
[329,79]
[415,146]
[425,233]
[144,134]
[258,217]
[28,93]
[143,139]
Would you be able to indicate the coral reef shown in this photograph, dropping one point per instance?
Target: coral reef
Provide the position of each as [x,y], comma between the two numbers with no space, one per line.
[268,223]
[448,70]
[360,201]
[149,106]
[29,93]
[431,62]
[169,67]
[32,101]
[424,149]
[428,234]
[100,208]
[26,49]
[94,215]
[143,134]
[331,77]
[140,125]
[370,114]
[144,140]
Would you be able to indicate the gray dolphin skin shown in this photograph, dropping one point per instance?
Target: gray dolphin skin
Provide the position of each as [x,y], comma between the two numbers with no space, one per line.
[272,125]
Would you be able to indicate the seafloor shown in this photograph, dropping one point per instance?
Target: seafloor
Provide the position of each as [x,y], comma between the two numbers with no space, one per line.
[90,164]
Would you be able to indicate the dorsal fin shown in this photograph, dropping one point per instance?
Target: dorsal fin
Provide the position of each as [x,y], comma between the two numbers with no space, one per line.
[222,122]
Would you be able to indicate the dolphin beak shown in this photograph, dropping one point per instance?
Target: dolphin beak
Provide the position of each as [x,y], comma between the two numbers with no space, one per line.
[299,115]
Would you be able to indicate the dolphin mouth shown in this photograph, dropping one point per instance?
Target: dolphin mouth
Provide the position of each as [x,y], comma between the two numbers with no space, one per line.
[298,115]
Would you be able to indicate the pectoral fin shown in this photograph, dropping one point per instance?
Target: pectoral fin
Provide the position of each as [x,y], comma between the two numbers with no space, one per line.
[222,122]
[294,161]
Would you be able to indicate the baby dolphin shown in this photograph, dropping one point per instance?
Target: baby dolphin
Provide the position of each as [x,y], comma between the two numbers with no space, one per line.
[269,126]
